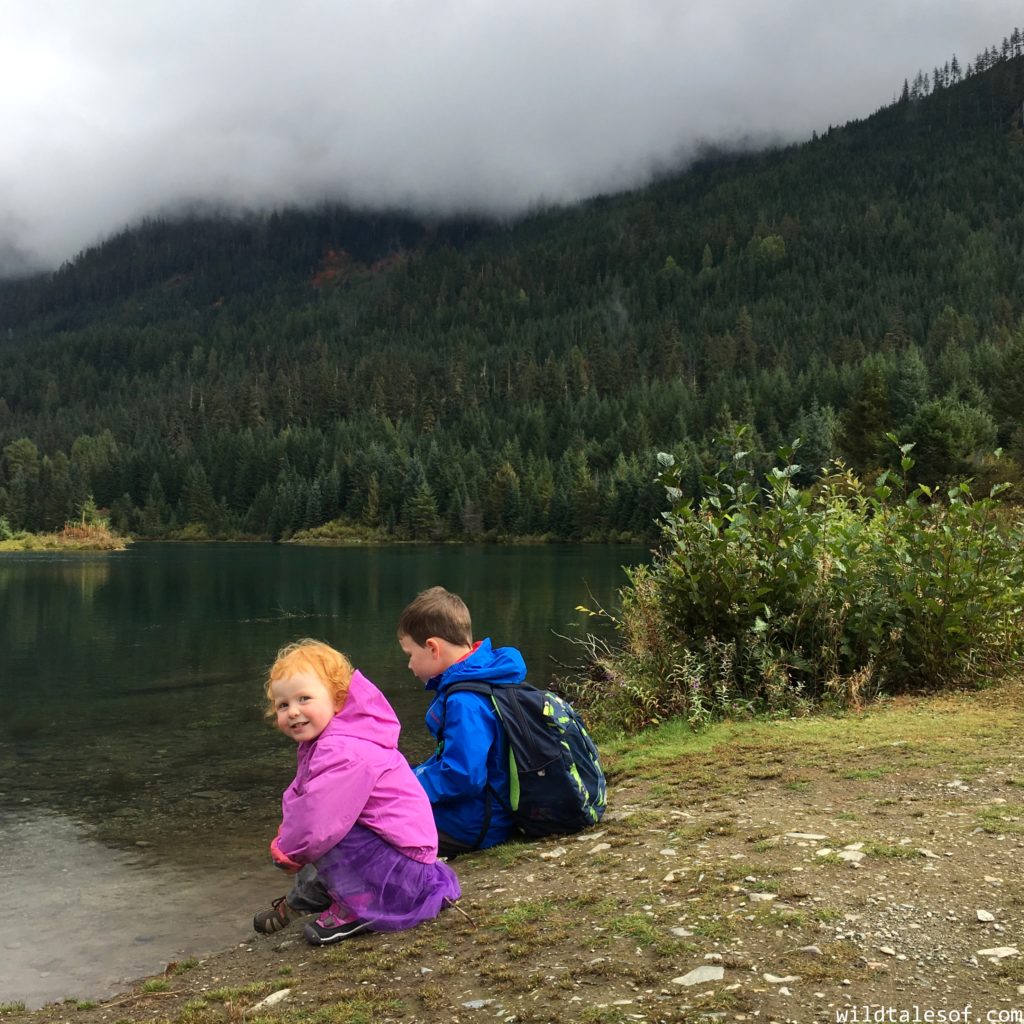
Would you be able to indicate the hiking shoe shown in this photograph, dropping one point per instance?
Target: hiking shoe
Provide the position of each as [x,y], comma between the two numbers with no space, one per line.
[331,927]
[279,916]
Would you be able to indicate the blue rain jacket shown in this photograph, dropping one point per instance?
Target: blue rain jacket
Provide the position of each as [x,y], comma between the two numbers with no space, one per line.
[474,754]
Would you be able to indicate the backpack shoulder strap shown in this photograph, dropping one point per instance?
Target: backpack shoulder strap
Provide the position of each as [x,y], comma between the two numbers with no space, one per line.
[485,690]
[470,686]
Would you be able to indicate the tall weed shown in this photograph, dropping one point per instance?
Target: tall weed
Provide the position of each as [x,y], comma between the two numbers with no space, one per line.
[772,598]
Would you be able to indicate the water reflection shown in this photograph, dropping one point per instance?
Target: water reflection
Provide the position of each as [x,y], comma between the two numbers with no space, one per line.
[84,919]
[133,695]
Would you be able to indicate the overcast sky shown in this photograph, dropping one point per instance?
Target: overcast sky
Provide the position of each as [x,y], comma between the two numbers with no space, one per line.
[112,109]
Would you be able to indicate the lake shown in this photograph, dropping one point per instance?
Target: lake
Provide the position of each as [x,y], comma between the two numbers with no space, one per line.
[140,782]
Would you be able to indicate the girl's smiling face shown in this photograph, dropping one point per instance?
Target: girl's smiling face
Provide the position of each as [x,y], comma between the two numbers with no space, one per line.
[303,705]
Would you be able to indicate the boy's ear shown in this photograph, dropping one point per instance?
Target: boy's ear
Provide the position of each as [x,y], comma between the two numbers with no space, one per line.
[433,646]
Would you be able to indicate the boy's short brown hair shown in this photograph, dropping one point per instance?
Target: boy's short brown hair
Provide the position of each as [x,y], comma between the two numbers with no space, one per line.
[436,613]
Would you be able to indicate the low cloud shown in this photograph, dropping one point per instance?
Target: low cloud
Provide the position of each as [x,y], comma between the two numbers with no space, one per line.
[116,110]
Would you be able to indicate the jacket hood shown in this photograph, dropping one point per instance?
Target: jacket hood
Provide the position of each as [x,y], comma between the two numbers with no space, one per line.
[503,666]
[365,715]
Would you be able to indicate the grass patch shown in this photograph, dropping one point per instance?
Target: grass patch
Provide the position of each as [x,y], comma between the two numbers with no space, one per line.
[507,854]
[638,927]
[357,1008]
[182,966]
[873,849]
[836,961]
[1002,819]
[944,725]
[156,985]
[231,993]
[866,773]
[501,974]
[434,995]
[714,928]
[604,1015]
[196,1011]
[1012,969]
[521,919]
[778,918]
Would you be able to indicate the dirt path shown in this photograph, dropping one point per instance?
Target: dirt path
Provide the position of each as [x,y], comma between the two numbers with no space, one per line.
[773,872]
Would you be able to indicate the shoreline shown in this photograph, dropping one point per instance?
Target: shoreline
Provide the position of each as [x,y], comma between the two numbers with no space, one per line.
[780,869]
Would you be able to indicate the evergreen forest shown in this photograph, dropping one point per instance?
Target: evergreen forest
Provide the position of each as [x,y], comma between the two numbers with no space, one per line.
[261,375]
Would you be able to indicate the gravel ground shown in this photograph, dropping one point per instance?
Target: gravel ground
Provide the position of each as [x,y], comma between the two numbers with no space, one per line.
[870,866]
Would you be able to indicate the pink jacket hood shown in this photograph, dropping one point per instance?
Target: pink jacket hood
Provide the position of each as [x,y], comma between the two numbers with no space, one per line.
[353,773]
[365,715]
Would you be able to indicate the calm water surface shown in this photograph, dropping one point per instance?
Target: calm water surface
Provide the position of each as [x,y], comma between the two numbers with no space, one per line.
[139,782]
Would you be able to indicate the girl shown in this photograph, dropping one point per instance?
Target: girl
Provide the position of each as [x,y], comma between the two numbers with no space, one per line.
[354,810]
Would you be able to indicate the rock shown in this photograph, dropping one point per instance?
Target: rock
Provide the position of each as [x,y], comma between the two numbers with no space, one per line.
[852,856]
[681,933]
[928,853]
[784,991]
[775,979]
[477,1004]
[667,852]
[854,846]
[999,952]
[812,836]
[810,951]
[824,851]
[558,851]
[887,950]
[589,836]
[984,916]
[600,848]
[699,975]
[272,1000]
[762,897]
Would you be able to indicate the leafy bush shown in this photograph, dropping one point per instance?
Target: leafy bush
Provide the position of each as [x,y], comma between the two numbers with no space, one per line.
[766,599]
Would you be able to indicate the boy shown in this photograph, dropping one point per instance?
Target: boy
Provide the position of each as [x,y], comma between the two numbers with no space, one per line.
[467,778]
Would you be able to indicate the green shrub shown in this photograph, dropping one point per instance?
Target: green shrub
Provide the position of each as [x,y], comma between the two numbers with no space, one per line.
[767,599]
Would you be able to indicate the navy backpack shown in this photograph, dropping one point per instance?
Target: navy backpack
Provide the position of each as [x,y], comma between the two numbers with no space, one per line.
[556,784]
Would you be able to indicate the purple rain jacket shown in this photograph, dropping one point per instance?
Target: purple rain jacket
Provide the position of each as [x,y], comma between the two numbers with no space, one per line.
[352,773]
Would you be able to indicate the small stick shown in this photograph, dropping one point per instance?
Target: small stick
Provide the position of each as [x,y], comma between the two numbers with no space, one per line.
[455,906]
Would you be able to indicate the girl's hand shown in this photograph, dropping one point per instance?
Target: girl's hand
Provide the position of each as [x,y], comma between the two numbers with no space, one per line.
[281,859]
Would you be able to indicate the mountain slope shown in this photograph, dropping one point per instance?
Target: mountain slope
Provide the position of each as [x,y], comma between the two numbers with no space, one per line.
[269,374]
